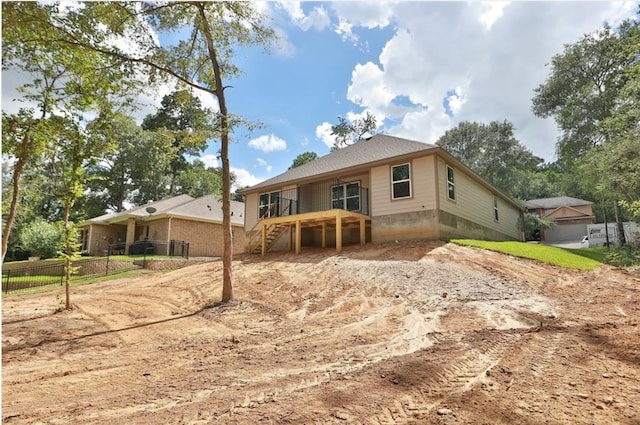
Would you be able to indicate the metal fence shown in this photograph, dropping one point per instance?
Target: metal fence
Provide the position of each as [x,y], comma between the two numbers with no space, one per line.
[147,247]
[24,276]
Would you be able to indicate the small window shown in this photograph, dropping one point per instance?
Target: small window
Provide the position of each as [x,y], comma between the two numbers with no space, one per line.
[451,185]
[495,208]
[401,181]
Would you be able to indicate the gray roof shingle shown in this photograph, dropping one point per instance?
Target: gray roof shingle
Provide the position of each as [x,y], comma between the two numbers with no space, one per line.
[367,151]
[557,202]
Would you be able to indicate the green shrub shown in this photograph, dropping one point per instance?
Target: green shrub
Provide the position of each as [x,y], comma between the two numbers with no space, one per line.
[42,239]
[628,255]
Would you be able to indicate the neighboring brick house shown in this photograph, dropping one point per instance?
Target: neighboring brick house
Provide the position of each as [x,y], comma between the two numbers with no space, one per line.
[180,218]
[382,188]
[571,216]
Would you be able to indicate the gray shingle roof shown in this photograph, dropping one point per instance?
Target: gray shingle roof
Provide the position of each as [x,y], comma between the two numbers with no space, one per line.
[560,201]
[161,207]
[367,151]
[206,208]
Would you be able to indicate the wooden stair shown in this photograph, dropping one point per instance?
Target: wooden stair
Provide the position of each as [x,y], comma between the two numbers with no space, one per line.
[274,232]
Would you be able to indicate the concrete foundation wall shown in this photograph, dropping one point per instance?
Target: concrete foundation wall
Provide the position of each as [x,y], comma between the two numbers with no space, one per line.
[413,225]
[454,227]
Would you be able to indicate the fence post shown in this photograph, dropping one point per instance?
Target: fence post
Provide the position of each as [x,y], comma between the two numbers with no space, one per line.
[5,284]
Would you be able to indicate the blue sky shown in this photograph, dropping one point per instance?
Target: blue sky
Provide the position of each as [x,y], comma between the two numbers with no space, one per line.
[419,67]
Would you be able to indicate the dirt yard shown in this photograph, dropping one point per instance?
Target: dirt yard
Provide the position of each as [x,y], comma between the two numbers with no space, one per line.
[409,333]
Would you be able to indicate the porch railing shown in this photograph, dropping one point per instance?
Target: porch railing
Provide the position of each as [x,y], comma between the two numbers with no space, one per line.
[311,198]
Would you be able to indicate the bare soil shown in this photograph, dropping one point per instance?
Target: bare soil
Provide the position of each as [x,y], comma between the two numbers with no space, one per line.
[408,333]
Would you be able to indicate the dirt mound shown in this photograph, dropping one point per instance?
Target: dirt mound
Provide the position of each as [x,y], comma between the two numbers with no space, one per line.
[414,332]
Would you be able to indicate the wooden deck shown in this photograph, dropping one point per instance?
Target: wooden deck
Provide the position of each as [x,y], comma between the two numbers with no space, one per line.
[337,219]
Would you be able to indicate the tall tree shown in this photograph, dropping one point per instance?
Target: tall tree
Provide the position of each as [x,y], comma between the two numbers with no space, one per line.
[303,158]
[62,78]
[73,149]
[494,153]
[583,88]
[587,94]
[348,132]
[201,61]
[126,32]
[190,124]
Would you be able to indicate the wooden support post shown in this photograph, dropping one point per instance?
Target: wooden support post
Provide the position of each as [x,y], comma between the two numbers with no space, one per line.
[264,239]
[290,238]
[324,234]
[338,232]
[363,234]
[298,237]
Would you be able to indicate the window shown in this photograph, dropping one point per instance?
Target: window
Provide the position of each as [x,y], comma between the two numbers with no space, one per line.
[495,208]
[400,181]
[269,205]
[451,185]
[346,196]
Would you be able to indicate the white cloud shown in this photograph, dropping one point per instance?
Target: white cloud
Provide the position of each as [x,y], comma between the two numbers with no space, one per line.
[360,14]
[244,178]
[318,18]
[323,132]
[492,55]
[493,11]
[209,160]
[455,100]
[268,143]
[264,164]
[365,14]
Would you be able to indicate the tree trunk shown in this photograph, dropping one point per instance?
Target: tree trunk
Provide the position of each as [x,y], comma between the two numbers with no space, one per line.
[227,256]
[15,199]
[619,224]
[67,257]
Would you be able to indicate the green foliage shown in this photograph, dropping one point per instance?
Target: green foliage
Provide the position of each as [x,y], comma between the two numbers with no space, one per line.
[584,86]
[42,238]
[533,224]
[188,124]
[199,180]
[349,132]
[567,258]
[303,158]
[495,154]
[626,256]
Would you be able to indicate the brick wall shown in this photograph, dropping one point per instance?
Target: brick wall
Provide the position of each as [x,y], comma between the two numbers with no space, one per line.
[205,239]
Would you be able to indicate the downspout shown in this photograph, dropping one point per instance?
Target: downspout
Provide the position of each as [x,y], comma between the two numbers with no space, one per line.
[437,176]
[169,234]
[89,238]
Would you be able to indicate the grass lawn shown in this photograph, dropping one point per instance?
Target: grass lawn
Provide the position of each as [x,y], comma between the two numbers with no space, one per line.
[581,259]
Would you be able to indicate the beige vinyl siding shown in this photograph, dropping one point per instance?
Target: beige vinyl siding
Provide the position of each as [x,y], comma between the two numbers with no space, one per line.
[423,193]
[474,202]
[250,210]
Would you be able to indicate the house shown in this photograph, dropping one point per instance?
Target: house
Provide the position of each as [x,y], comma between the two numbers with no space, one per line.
[571,216]
[179,219]
[383,188]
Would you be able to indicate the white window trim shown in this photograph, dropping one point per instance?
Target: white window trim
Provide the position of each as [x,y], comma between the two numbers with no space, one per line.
[269,205]
[393,182]
[496,214]
[452,183]
[345,197]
